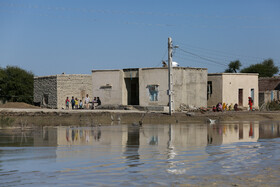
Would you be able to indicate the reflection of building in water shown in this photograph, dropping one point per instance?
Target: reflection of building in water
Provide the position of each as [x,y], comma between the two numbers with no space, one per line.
[132,146]
[47,136]
[169,139]
[54,136]
[269,130]
[229,133]
[177,135]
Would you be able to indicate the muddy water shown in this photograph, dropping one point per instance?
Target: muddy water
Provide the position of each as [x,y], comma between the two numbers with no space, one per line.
[228,154]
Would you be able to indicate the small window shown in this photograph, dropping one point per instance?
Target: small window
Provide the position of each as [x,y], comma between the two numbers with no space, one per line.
[153,92]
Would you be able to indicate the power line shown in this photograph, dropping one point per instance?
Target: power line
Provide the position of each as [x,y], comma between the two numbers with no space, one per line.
[221,53]
[204,58]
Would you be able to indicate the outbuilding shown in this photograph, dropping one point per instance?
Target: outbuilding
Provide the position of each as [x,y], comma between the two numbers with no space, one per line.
[51,91]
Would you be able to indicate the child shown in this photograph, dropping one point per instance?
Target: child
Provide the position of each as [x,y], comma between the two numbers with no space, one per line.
[76,103]
[67,103]
[81,104]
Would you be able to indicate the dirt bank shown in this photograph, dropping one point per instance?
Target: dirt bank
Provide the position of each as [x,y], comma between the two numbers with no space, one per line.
[52,117]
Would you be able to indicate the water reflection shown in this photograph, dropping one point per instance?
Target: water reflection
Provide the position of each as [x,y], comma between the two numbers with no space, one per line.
[229,133]
[133,137]
[132,146]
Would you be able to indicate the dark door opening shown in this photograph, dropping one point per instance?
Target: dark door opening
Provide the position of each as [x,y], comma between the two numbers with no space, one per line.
[132,87]
[240,97]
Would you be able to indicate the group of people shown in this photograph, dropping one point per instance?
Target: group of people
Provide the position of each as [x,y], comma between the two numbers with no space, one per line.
[224,107]
[78,104]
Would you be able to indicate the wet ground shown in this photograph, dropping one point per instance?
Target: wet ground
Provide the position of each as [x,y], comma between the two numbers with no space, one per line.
[225,154]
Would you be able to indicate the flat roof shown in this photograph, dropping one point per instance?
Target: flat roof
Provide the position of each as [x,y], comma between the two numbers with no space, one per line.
[220,74]
[135,69]
[59,75]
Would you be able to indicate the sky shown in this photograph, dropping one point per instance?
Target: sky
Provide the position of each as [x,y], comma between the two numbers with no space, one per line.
[49,37]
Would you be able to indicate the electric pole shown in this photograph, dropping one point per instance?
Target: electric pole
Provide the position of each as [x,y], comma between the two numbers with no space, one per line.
[170,77]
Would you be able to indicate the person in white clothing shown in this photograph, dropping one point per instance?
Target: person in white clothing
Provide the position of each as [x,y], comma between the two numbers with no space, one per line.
[87,100]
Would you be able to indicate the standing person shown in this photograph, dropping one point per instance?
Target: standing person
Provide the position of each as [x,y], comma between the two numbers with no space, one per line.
[93,102]
[98,101]
[76,103]
[87,101]
[67,103]
[73,102]
[250,103]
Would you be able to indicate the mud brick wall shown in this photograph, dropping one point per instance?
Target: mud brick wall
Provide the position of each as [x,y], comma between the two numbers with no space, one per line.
[45,91]
[77,85]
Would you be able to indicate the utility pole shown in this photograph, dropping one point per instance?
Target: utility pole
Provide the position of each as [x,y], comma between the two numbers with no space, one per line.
[170,77]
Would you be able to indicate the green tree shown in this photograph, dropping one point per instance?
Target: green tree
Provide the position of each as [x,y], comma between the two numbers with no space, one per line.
[265,69]
[233,67]
[16,84]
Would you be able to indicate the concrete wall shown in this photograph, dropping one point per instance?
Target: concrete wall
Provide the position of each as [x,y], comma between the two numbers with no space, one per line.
[153,76]
[225,87]
[77,85]
[217,93]
[189,85]
[109,86]
[46,85]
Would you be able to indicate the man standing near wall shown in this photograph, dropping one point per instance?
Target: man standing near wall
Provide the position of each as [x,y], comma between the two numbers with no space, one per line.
[87,101]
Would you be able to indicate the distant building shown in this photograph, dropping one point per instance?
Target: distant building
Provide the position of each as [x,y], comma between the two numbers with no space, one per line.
[269,89]
[148,86]
[51,91]
[231,88]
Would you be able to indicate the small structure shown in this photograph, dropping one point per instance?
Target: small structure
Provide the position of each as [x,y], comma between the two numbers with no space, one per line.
[269,89]
[231,88]
[148,86]
[51,91]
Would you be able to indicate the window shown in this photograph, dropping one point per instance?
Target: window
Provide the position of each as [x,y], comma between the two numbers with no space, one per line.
[153,92]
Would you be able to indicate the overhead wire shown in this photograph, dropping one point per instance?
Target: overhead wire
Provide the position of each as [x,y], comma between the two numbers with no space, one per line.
[228,55]
[204,58]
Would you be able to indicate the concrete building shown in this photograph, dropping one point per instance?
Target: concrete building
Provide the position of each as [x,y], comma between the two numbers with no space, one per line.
[269,89]
[148,86]
[231,88]
[51,91]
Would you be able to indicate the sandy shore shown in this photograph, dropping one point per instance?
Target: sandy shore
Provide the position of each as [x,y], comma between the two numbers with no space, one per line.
[53,117]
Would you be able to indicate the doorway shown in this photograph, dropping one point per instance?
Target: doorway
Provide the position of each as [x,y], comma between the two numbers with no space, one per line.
[253,94]
[240,97]
[132,87]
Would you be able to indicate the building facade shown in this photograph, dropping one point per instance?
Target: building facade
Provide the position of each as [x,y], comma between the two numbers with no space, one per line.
[232,88]
[51,91]
[269,89]
[148,86]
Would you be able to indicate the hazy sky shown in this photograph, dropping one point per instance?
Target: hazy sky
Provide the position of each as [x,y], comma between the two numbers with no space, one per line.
[49,37]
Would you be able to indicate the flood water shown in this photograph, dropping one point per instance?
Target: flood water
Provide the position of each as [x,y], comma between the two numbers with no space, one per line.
[227,154]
